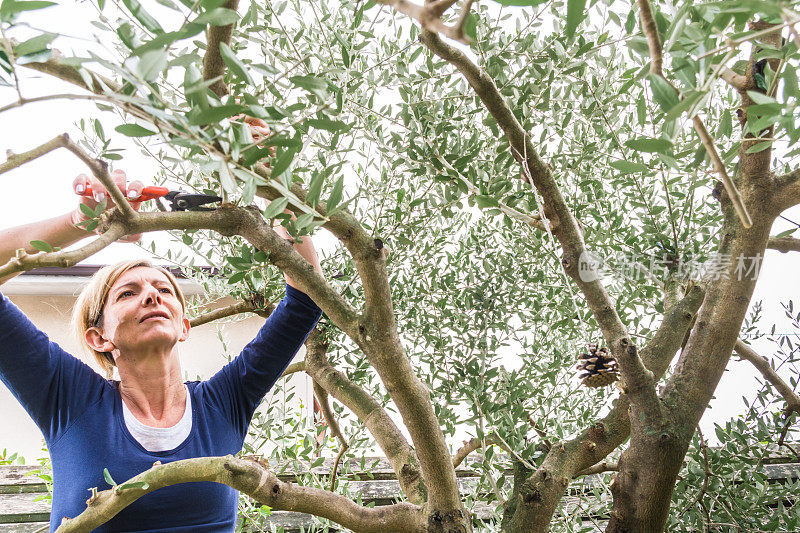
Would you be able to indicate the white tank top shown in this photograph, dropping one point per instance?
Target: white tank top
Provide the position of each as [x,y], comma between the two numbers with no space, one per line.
[160,439]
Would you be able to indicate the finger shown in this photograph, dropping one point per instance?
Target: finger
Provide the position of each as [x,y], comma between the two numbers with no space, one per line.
[99,191]
[259,131]
[255,122]
[134,191]
[120,179]
[80,183]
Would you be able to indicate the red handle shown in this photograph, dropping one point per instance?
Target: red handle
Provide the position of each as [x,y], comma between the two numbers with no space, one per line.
[148,193]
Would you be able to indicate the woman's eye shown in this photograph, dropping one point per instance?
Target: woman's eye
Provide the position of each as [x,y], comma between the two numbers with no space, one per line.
[125,294]
[165,290]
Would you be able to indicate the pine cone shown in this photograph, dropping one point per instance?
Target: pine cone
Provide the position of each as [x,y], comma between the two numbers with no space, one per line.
[598,367]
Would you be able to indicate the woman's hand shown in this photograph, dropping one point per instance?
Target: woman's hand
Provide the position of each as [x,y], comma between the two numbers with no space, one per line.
[259,130]
[132,191]
[305,249]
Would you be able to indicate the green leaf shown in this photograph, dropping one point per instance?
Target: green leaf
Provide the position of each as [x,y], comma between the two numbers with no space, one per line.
[88,211]
[315,188]
[226,178]
[143,16]
[663,92]
[726,124]
[283,163]
[109,479]
[628,167]
[485,202]
[646,144]
[42,246]
[760,98]
[214,114]
[336,195]
[312,84]
[135,485]
[35,44]
[327,124]
[276,207]
[470,29]
[166,39]
[134,130]
[10,8]
[758,147]
[236,278]
[234,63]
[790,85]
[303,221]
[576,11]
[681,107]
[217,17]
[151,64]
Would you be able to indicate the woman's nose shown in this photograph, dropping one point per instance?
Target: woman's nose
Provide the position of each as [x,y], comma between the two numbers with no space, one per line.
[152,296]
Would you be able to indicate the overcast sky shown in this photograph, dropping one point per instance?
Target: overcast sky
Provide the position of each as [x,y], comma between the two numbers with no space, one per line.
[43,188]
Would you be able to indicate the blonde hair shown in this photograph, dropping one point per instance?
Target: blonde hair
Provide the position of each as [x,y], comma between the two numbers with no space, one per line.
[88,310]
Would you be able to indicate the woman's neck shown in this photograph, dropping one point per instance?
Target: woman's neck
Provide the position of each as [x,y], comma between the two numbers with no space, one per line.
[152,389]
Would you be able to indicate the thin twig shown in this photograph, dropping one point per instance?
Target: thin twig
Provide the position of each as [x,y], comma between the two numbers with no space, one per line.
[762,365]
[734,43]
[16,160]
[650,29]
[599,468]
[330,419]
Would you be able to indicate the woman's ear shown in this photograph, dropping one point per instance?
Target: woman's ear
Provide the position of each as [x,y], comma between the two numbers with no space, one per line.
[186,328]
[96,341]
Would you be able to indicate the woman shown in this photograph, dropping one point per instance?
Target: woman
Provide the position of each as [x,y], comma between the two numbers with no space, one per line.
[132,316]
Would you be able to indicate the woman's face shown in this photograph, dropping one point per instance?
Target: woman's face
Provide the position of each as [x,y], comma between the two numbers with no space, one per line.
[142,312]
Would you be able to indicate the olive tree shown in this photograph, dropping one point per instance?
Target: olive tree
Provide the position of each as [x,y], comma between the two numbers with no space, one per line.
[478,165]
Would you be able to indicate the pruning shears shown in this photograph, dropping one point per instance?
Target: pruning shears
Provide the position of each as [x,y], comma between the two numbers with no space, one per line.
[178,200]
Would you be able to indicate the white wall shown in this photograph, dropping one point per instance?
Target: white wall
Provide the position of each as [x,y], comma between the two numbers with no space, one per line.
[201,355]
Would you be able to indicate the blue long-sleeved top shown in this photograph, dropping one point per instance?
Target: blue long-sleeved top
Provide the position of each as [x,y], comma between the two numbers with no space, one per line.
[80,415]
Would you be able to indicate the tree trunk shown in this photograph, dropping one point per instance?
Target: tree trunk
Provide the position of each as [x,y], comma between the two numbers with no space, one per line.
[643,487]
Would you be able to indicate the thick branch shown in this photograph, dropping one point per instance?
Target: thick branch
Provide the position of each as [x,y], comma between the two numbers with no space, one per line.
[213,65]
[246,306]
[377,336]
[253,479]
[737,81]
[474,444]
[638,381]
[650,29]
[762,365]
[599,468]
[374,417]
[788,190]
[294,368]
[591,446]
[784,244]
[226,220]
